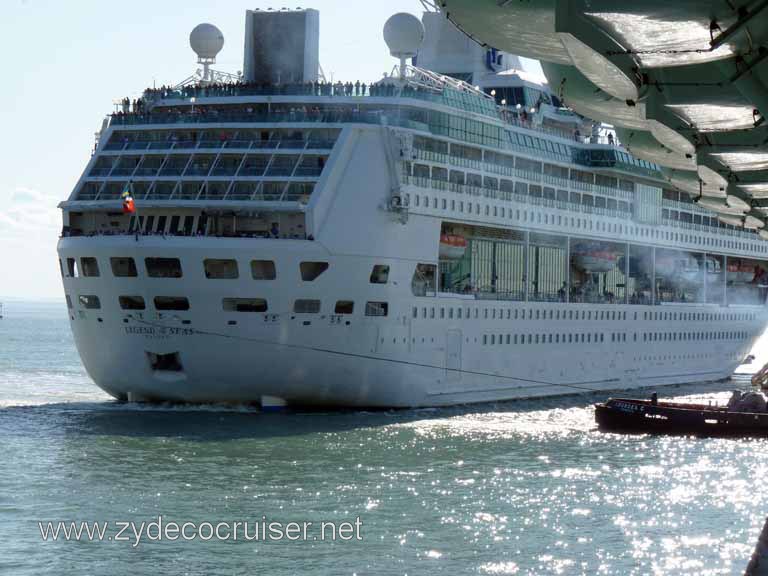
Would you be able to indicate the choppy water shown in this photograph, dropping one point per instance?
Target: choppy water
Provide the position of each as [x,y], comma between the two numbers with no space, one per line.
[518,488]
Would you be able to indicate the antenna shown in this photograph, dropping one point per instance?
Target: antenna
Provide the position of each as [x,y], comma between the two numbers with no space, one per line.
[206,41]
[403,34]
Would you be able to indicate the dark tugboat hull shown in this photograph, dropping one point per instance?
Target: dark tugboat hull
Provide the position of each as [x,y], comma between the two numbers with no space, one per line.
[643,416]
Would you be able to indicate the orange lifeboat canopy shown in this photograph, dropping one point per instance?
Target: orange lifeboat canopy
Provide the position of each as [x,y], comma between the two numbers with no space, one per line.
[452,247]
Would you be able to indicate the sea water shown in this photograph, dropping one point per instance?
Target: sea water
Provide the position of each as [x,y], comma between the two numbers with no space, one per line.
[525,487]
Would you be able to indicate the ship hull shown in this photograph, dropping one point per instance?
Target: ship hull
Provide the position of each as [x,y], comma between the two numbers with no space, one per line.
[423,353]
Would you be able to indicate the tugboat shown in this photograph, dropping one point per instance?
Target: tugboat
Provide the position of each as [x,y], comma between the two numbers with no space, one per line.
[744,415]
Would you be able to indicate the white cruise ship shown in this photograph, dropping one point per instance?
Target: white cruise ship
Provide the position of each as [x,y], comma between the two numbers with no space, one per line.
[443,236]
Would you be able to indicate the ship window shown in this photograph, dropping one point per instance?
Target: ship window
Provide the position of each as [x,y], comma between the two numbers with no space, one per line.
[306,306]
[263,270]
[220,269]
[131,302]
[89,266]
[163,267]
[348,307]
[244,304]
[189,222]
[380,274]
[376,308]
[311,270]
[90,302]
[421,171]
[171,303]
[72,270]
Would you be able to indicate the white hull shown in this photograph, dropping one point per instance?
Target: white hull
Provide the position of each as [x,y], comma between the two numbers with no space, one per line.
[394,361]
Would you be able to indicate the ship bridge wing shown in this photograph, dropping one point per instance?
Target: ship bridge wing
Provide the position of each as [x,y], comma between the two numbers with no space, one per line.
[685,83]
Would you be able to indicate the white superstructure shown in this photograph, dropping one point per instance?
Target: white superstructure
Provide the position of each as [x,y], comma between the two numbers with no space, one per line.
[409,243]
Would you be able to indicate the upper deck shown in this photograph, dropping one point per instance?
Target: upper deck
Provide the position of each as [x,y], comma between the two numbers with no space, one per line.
[246,146]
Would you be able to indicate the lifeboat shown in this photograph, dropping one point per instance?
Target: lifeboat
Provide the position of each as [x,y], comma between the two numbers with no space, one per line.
[741,272]
[452,247]
[678,268]
[594,258]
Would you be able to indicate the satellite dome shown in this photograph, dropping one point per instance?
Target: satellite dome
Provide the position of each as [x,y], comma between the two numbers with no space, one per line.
[207,41]
[403,34]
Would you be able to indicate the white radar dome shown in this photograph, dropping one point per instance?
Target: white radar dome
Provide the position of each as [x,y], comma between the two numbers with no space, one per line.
[207,41]
[403,34]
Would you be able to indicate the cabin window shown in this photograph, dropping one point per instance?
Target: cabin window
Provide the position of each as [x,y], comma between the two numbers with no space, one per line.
[306,306]
[89,267]
[244,305]
[380,274]
[311,270]
[132,303]
[123,267]
[163,267]
[263,270]
[424,279]
[376,308]
[90,302]
[216,269]
[189,222]
[348,307]
[171,303]
[72,270]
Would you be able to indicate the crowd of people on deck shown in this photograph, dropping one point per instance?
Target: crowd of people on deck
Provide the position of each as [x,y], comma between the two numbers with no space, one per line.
[137,106]
[388,88]
[154,96]
[318,88]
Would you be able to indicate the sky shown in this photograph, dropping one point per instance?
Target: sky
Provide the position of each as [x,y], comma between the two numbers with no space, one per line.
[66,62]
